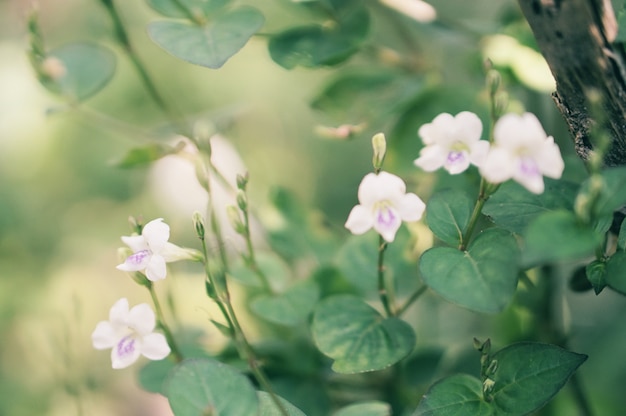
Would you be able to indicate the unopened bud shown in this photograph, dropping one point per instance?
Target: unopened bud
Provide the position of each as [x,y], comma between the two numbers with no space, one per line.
[242,181]
[198,224]
[488,386]
[493,367]
[379,144]
[235,220]
[500,103]
[242,201]
[493,81]
[135,224]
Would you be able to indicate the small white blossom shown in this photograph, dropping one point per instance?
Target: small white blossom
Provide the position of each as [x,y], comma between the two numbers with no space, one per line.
[523,152]
[452,142]
[151,251]
[129,334]
[383,205]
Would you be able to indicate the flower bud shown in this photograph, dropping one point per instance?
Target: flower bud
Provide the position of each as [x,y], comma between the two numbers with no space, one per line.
[379,144]
[242,201]
[493,81]
[235,220]
[500,103]
[198,224]
[242,181]
[53,68]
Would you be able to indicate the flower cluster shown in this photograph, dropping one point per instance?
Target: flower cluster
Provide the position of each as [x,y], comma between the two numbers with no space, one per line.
[521,150]
[130,332]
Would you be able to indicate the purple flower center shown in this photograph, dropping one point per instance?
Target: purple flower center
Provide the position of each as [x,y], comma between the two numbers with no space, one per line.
[529,167]
[126,346]
[138,257]
[385,216]
[455,156]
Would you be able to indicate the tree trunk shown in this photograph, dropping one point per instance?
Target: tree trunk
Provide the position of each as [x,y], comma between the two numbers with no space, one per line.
[576,38]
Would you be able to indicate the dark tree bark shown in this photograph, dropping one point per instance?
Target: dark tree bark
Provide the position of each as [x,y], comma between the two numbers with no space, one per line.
[576,38]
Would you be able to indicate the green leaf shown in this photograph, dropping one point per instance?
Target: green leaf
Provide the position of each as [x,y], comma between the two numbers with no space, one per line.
[558,235]
[621,238]
[289,308]
[513,207]
[196,7]
[267,407]
[612,193]
[421,368]
[357,337]
[447,214]
[88,68]
[596,274]
[317,45]
[143,155]
[457,395]
[205,386]
[372,408]
[272,266]
[357,260]
[528,375]
[616,272]
[362,95]
[210,45]
[483,278]
[153,375]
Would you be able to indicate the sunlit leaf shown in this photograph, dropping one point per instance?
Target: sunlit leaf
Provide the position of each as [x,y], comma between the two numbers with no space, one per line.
[357,337]
[447,214]
[201,386]
[289,308]
[267,406]
[210,45]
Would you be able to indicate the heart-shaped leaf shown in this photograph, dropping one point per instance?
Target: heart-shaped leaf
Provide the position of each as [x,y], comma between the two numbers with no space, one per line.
[210,45]
[204,386]
[460,394]
[616,272]
[195,7]
[483,278]
[317,45]
[289,308]
[513,207]
[357,337]
[87,69]
[267,406]
[447,215]
[529,374]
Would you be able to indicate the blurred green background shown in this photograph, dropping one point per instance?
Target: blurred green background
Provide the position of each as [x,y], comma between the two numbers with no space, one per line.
[64,203]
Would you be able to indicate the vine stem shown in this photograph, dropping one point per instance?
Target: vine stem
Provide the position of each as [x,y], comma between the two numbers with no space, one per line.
[178,356]
[382,289]
[414,297]
[486,190]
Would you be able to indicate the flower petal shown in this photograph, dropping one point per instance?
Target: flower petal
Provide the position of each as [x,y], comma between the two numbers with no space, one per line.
[531,181]
[141,319]
[360,220]
[431,158]
[498,166]
[156,269]
[479,152]
[154,347]
[156,233]
[118,314]
[135,262]
[135,242]
[549,159]
[171,252]
[457,162]
[411,208]
[375,188]
[433,132]
[468,127]
[125,352]
[104,336]
[387,221]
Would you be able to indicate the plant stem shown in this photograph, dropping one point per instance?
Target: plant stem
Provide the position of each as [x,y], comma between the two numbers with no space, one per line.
[213,283]
[251,258]
[382,289]
[121,35]
[178,357]
[415,296]
[483,195]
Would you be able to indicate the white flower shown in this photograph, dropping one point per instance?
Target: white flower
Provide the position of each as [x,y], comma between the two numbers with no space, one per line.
[151,251]
[452,143]
[129,334]
[415,9]
[523,152]
[384,204]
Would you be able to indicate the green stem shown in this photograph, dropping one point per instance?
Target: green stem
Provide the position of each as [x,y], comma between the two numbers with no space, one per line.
[415,296]
[251,258]
[178,357]
[483,195]
[382,289]
[215,225]
[123,39]
[216,288]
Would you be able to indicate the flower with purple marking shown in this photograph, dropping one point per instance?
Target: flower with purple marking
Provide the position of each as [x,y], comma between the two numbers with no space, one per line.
[151,251]
[129,334]
[523,152]
[452,142]
[383,205]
